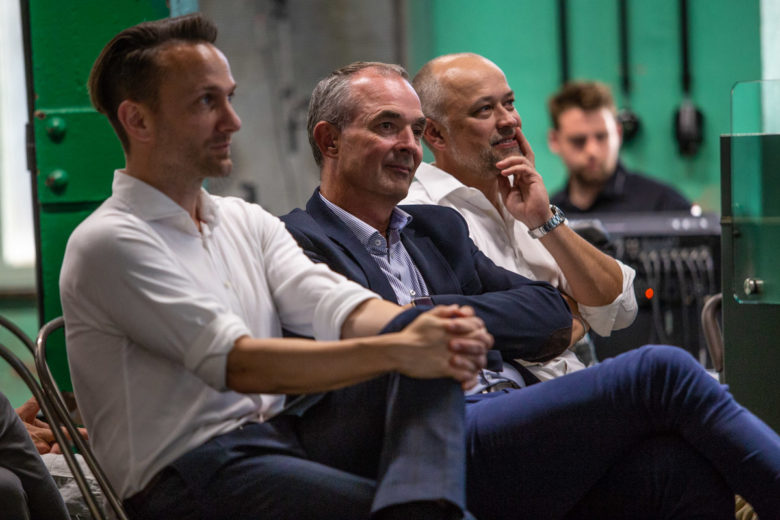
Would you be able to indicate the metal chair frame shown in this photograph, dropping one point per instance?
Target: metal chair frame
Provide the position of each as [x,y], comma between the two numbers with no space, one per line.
[53,395]
[29,379]
[19,333]
[712,332]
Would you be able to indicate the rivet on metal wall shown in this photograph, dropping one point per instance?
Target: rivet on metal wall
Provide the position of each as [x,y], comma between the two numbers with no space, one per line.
[57,181]
[55,128]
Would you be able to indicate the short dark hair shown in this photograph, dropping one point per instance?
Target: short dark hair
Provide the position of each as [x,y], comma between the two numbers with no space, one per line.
[331,99]
[585,95]
[128,67]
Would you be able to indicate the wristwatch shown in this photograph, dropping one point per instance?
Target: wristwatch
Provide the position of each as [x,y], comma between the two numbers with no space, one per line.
[556,220]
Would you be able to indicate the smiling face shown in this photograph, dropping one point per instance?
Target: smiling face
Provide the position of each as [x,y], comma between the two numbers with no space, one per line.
[481,122]
[380,148]
[588,143]
[194,119]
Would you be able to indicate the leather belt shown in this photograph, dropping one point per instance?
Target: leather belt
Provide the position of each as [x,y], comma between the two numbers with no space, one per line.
[497,387]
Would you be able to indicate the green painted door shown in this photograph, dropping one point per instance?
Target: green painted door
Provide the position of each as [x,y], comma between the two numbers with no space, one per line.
[74,150]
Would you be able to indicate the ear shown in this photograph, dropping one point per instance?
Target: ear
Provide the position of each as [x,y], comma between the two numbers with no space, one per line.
[327,136]
[619,129]
[135,119]
[434,135]
[552,141]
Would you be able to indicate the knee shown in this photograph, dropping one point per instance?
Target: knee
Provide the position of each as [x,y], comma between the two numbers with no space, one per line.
[668,358]
[13,499]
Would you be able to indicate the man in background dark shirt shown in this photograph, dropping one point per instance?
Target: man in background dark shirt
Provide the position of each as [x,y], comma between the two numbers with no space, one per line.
[587,137]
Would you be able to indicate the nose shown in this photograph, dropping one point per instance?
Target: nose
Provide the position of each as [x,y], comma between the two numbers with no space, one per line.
[407,141]
[230,122]
[592,146]
[506,118]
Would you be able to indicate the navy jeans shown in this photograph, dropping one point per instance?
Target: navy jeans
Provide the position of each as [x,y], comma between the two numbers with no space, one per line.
[625,433]
[388,441]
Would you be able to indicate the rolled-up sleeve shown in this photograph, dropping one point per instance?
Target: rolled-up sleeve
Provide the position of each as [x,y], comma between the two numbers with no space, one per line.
[617,315]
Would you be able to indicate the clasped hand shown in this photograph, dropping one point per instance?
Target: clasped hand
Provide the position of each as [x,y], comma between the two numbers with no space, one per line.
[448,341]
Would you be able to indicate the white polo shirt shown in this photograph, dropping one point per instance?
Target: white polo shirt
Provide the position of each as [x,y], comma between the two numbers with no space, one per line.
[153,306]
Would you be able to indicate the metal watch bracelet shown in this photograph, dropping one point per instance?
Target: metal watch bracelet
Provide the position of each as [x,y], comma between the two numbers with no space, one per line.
[556,220]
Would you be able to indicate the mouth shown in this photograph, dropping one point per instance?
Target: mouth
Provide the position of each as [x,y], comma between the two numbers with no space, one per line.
[221,147]
[505,142]
[400,168]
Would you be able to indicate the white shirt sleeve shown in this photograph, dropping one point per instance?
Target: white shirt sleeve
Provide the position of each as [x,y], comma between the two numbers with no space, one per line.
[620,313]
[121,281]
[310,298]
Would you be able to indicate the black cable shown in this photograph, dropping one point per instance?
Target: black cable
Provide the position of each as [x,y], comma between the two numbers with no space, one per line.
[684,54]
[563,40]
[625,77]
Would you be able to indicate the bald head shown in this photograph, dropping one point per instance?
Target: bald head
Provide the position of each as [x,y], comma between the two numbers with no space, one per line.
[439,81]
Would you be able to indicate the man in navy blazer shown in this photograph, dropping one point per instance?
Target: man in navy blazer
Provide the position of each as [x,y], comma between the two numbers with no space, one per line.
[454,270]
[611,441]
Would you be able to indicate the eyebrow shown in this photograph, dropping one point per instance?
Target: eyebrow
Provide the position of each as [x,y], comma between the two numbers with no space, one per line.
[391,114]
[490,99]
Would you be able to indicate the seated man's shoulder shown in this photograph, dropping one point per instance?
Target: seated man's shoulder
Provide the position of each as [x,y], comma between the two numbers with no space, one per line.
[433,216]
[650,187]
[296,217]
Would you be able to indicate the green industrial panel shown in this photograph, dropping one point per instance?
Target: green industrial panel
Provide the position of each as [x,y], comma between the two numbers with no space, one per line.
[750,329]
[724,48]
[76,150]
[68,36]
[77,162]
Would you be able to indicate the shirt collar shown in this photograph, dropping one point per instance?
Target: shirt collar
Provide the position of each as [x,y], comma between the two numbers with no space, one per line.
[365,233]
[441,186]
[149,203]
[438,184]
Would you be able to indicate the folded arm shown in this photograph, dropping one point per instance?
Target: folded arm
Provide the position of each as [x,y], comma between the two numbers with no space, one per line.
[443,342]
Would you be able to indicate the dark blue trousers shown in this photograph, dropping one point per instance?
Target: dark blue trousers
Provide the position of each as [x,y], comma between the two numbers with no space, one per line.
[648,434]
[384,442]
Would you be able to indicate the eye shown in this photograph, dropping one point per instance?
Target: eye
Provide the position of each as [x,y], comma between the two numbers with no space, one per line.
[578,142]
[602,137]
[206,100]
[386,127]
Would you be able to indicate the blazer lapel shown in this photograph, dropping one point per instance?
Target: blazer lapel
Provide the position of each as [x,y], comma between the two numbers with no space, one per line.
[350,246]
[434,269]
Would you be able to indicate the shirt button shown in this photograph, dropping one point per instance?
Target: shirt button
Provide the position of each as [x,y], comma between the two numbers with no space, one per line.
[413,293]
[377,242]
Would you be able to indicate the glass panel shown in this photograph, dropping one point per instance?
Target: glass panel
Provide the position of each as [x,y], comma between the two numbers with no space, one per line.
[755,190]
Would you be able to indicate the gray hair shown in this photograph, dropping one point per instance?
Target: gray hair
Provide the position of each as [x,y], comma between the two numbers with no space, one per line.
[331,99]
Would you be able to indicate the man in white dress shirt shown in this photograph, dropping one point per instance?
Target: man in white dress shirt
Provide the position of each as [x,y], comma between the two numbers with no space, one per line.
[174,303]
[484,168]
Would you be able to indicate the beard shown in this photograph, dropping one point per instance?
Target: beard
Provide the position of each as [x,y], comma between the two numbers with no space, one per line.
[484,161]
[591,176]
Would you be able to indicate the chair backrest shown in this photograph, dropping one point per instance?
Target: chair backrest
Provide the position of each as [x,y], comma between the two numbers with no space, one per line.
[59,435]
[711,328]
[64,419]
[19,333]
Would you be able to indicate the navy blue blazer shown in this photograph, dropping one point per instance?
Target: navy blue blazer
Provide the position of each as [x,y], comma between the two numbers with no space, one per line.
[528,319]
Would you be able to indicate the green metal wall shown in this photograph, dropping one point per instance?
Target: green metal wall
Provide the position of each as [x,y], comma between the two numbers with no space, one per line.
[521,36]
[76,150]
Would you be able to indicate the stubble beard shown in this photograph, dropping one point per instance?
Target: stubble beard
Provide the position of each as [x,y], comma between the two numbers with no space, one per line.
[591,178]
